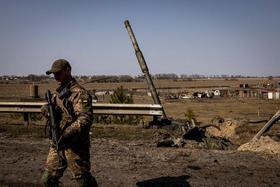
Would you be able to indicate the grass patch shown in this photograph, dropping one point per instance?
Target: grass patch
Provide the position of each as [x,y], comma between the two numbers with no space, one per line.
[15,130]
[122,132]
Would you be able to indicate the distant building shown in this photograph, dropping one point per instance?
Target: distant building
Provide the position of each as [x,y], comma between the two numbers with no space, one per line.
[273,95]
[244,86]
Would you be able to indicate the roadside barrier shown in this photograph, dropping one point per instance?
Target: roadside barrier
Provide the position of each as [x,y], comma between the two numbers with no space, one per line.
[25,108]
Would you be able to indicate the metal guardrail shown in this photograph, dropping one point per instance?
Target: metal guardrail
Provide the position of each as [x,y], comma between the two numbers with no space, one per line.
[21,107]
[98,109]
[128,109]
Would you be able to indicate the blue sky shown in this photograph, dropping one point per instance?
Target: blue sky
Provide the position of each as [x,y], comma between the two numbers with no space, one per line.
[209,37]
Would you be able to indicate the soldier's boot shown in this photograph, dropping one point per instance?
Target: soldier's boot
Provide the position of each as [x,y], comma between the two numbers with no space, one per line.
[49,181]
[87,181]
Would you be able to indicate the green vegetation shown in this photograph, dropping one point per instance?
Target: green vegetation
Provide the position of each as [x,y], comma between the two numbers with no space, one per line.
[15,130]
[122,132]
[119,96]
[119,132]
[190,115]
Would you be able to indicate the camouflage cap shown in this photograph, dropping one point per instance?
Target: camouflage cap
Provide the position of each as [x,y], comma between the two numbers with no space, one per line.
[59,65]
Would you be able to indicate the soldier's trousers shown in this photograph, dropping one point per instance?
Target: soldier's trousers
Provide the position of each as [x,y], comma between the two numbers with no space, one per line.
[76,159]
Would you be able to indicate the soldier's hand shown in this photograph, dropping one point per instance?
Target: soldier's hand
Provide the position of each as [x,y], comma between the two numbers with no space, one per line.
[62,142]
[67,137]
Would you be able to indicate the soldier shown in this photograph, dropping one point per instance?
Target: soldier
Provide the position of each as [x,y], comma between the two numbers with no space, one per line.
[73,111]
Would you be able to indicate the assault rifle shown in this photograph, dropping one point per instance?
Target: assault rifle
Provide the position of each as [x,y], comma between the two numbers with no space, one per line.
[54,126]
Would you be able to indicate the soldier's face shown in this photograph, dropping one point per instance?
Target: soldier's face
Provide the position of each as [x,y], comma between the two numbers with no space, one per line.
[62,76]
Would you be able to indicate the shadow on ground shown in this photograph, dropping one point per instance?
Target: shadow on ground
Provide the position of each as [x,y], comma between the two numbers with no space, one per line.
[180,181]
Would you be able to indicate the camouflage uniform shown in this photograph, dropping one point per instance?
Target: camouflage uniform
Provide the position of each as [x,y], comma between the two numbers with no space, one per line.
[73,110]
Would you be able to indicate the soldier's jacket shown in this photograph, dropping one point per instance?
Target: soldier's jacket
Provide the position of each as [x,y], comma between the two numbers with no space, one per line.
[73,110]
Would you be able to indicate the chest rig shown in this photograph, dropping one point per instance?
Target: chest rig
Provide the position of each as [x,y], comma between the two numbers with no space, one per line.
[64,107]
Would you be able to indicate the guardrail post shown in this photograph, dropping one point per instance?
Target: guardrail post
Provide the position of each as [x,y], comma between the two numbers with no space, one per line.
[26,119]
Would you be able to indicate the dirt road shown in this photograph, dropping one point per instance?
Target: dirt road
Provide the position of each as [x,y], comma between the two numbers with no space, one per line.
[140,163]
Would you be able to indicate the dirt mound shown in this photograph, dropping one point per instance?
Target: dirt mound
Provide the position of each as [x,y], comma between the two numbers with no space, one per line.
[265,144]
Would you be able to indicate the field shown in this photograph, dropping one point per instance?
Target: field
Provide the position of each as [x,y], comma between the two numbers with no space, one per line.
[124,155]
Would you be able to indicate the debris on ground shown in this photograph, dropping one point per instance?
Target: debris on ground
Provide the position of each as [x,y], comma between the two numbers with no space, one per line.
[184,135]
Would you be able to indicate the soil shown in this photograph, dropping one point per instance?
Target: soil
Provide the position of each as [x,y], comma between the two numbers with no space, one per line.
[131,158]
[264,144]
[140,163]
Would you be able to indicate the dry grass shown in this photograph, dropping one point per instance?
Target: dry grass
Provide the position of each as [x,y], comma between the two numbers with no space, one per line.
[205,109]
[118,132]
[19,89]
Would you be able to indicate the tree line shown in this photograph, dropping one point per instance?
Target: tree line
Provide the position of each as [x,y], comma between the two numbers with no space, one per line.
[129,78]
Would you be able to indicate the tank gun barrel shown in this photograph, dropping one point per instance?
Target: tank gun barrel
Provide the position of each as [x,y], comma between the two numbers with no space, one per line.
[143,66]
